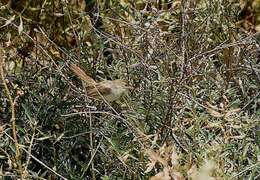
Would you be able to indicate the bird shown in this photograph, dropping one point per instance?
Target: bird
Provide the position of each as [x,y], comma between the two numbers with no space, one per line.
[110,90]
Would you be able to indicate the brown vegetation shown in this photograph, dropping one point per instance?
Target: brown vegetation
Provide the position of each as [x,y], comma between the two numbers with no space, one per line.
[193,109]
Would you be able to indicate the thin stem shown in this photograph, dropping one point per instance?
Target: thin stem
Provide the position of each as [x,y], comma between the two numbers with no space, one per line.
[13,119]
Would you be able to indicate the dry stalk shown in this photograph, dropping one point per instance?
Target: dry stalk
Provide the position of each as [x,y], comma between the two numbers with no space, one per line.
[13,119]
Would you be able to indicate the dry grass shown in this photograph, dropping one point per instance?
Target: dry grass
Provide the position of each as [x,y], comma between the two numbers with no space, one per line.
[193,111]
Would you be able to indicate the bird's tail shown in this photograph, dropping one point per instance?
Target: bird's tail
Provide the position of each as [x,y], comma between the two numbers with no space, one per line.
[82,75]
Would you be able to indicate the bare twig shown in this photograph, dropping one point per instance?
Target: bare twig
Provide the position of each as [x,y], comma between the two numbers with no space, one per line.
[250,101]
[91,159]
[13,115]
[37,160]
[246,169]
[183,37]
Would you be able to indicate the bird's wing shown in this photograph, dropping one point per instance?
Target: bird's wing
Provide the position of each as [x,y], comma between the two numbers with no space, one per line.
[100,88]
[82,75]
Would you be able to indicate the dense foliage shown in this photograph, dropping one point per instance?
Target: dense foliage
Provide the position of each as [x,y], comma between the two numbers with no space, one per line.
[193,111]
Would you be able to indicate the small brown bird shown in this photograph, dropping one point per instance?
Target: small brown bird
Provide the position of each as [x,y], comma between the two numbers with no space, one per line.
[108,90]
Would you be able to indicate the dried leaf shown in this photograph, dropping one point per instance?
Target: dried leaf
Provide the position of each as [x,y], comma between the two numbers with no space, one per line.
[9,42]
[150,166]
[55,52]
[9,21]
[213,110]
[154,142]
[20,27]
[212,107]
[177,176]
[125,157]
[158,176]
[257,28]
[166,173]
[58,14]
[156,157]
[174,158]
[11,66]
[214,113]
[205,171]
[232,111]
[193,172]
